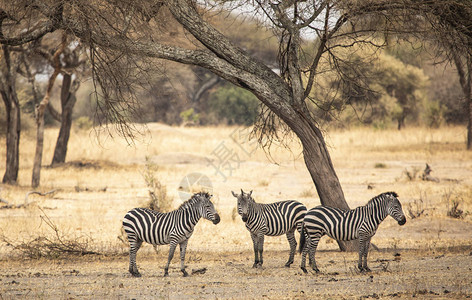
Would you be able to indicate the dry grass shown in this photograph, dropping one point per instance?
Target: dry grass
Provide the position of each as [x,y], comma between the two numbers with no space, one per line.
[104,179]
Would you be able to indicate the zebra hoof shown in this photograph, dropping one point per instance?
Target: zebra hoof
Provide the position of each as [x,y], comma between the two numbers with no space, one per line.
[288,264]
[185,274]
[304,270]
[136,274]
[255,265]
[366,270]
[316,270]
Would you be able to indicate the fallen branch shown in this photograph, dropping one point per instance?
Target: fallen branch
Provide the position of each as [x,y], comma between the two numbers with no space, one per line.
[38,193]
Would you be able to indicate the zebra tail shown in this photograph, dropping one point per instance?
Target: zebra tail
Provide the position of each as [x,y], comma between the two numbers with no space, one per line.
[302,238]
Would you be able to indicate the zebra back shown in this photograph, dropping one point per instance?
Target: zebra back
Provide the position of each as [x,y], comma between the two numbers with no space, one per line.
[346,224]
[158,228]
[271,219]
[279,217]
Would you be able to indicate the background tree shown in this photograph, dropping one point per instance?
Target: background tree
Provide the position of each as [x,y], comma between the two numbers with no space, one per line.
[447,25]
[72,61]
[41,109]
[9,67]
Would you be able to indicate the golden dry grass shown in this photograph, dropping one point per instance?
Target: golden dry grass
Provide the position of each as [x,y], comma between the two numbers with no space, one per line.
[92,197]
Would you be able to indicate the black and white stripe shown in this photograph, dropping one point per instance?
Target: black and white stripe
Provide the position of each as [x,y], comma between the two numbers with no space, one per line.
[270,219]
[359,223]
[174,228]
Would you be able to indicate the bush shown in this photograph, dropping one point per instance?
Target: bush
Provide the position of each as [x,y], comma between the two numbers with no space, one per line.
[233,104]
[83,123]
[189,116]
[158,198]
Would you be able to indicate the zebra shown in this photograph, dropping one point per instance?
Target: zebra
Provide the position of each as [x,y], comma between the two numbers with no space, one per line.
[174,228]
[359,223]
[272,219]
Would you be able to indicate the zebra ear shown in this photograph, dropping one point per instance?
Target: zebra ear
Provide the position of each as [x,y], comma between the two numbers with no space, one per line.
[234,194]
[250,193]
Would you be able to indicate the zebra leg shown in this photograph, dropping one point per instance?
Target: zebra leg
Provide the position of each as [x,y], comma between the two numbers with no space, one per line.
[261,249]
[173,245]
[255,242]
[363,244]
[293,246]
[304,253]
[183,248]
[135,244]
[366,252]
[313,244]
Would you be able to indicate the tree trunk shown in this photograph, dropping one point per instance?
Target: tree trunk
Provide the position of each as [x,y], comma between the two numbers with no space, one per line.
[38,156]
[468,99]
[13,137]
[320,166]
[469,125]
[40,109]
[464,70]
[68,100]
[12,108]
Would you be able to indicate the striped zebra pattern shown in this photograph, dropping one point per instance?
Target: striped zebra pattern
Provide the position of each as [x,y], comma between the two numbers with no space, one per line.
[173,228]
[270,219]
[359,223]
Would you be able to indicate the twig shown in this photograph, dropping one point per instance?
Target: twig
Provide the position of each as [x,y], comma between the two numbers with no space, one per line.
[37,193]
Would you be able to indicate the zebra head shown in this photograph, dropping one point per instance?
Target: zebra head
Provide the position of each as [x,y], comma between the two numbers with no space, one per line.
[243,203]
[394,208]
[208,209]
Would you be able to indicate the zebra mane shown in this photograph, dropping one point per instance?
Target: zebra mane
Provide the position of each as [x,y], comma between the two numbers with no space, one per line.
[193,200]
[382,196]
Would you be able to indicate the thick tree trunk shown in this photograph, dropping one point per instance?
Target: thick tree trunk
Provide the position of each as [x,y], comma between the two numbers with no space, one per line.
[13,137]
[320,166]
[68,100]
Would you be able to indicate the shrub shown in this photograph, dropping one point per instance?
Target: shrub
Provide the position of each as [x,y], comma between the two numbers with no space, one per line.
[233,104]
[158,199]
[380,166]
[189,116]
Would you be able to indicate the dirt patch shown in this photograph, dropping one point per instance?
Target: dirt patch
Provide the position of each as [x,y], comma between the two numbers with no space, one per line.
[229,275]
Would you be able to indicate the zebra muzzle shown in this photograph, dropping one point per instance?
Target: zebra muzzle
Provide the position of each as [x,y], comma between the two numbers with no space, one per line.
[216,220]
[402,221]
[244,217]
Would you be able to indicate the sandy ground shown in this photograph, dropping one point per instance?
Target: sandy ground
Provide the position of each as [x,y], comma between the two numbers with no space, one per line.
[445,273]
